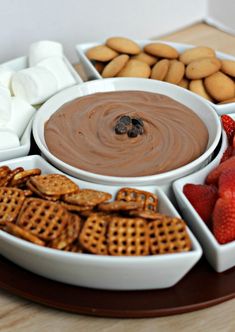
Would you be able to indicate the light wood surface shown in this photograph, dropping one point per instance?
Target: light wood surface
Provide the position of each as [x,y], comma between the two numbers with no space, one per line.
[18,315]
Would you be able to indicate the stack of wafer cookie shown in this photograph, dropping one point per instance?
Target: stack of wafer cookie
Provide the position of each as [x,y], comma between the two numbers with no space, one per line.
[51,210]
[197,69]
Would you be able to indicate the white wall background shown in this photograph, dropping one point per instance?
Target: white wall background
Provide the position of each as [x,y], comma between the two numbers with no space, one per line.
[77,21]
[221,13]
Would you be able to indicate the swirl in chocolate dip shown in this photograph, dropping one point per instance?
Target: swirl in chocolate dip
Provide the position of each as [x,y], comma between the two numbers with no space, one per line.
[82,134]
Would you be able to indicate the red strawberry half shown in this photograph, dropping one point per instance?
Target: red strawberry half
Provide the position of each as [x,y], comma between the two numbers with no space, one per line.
[203,198]
[213,176]
[229,126]
[224,220]
[227,153]
[227,184]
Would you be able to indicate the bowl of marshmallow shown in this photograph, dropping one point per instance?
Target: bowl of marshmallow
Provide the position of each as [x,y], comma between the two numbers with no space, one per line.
[25,84]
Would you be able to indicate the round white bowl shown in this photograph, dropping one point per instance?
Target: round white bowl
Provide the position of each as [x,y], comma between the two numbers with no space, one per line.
[195,103]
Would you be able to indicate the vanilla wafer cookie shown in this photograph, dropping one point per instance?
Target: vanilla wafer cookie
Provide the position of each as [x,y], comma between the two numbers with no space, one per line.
[23,234]
[147,200]
[168,235]
[128,237]
[93,234]
[54,184]
[11,201]
[42,218]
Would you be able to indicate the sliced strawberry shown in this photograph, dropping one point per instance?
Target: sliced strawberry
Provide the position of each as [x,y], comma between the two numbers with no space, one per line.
[227,184]
[229,126]
[234,141]
[223,224]
[203,198]
[213,176]
[227,153]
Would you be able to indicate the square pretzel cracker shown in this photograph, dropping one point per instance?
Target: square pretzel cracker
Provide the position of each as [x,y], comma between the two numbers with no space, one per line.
[93,234]
[128,237]
[22,177]
[11,201]
[5,180]
[148,200]
[23,234]
[87,197]
[53,184]
[69,234]
[118,206]
[168,235]
[45,219]
[34,190]
[4,172]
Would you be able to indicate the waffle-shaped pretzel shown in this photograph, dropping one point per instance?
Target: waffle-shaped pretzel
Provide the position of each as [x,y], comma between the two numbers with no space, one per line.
[23,234]
[6,181]
[118,206]
[74,247]
[128,237]
[148,200]
[87,197]
[53,184]
[93,234]
[168,235]
[23,176]
[32,188]
[146,214]
[42,218]
[75,208]
[69,234]
[11,201]
[4,172]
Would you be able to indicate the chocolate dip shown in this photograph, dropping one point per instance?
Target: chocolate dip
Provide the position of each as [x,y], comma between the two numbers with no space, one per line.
[81,133]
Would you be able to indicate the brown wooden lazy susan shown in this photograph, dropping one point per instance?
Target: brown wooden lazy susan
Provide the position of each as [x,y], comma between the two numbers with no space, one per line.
[200,288]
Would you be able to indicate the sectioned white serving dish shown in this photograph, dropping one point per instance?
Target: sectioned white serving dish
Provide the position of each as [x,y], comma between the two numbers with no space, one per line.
[105,272]
[197,104]
[92,73]
[220,256]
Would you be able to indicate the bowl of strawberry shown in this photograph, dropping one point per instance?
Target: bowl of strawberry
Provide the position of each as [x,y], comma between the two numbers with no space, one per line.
[207,201]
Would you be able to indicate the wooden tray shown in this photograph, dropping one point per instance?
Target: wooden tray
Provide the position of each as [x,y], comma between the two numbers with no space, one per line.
[200,288]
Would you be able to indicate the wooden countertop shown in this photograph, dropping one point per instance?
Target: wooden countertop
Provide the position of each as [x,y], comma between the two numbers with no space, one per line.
[19,315]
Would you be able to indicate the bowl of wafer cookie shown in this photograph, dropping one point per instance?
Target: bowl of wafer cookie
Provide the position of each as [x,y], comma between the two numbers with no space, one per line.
[107,237]
[127,131]
[201,69]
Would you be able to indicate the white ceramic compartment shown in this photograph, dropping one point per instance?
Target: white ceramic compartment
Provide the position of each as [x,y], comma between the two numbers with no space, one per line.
[92,73]
[23,150]
[105,272]
[197,104]
[221,257]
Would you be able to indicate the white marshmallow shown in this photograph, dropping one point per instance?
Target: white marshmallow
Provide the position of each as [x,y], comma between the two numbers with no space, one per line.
[8,139]
[60,70]
[43,49]
[6,76]
[21,113]
[5,105]
[35,85]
